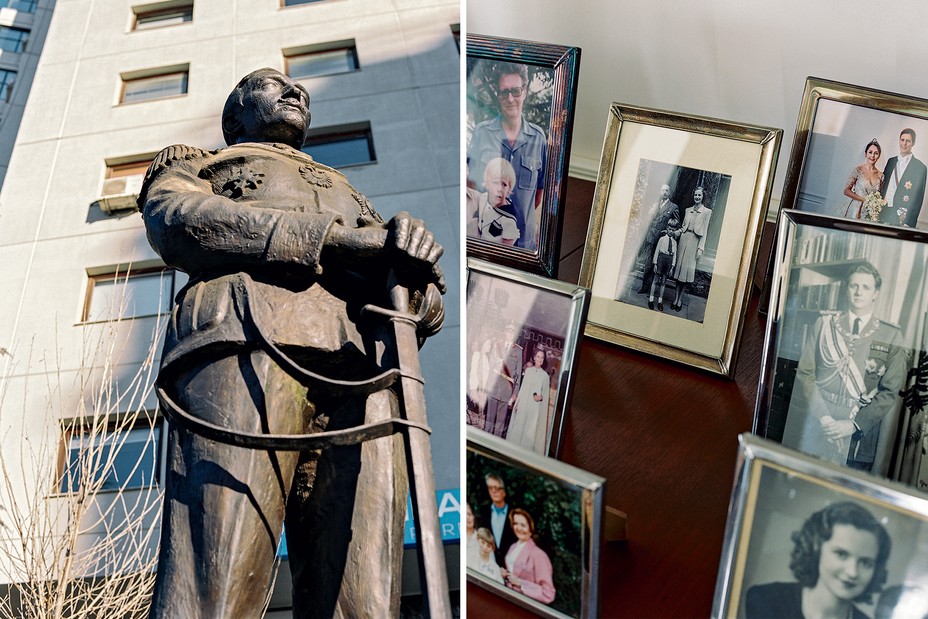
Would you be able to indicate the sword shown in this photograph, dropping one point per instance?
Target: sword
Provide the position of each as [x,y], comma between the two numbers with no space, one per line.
[432,573]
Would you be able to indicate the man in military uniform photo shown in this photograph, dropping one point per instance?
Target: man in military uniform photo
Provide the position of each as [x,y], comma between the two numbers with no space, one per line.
[845,403]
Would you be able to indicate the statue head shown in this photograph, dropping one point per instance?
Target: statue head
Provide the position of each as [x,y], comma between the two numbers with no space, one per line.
[266,106]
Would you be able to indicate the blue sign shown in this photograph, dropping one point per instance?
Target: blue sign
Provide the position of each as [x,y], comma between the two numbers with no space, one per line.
[449,517]
[449,520]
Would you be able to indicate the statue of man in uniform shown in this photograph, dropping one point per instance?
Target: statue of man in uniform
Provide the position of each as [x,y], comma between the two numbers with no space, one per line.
[282,254]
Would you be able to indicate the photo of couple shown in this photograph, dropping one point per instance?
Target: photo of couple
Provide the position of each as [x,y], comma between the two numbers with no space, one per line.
[864,164]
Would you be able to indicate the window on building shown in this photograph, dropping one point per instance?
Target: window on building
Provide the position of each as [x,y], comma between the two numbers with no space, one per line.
[167,82]
[7,81]
[125,177]
[145,292]
[118,458]
[341,146]
[327,59]
[162,14]
[297,2]
[456,33]
[26,6]
[13,39]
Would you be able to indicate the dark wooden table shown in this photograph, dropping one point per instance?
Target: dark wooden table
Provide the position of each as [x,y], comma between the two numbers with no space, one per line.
[665,438]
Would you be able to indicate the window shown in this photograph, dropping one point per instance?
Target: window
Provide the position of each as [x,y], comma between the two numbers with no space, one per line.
[456,33]
[7,81]
[168,82]
[13,39]
[162,14]
[126,177]
[327,59]
[114,296]
[26,6]
[341,146]
[120,458]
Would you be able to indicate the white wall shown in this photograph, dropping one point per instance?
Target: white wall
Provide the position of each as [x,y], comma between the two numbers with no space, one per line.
[739,60]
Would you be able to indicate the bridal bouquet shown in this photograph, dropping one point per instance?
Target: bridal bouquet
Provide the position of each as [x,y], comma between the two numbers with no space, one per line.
[873,204]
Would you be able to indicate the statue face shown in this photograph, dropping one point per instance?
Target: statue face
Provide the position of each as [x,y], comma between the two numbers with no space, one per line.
[276,109]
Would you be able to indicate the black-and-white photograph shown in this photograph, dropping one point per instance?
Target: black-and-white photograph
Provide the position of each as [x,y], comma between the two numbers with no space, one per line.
[818,551]
[532,528]
[866,164]
[672,239]
[521,337]
[508,116]
[842,381]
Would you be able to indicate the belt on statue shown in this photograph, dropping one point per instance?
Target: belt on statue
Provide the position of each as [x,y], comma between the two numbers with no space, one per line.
[294,442]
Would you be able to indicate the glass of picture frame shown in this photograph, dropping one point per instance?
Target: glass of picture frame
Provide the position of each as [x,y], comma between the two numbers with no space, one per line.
[853,143]
[803,529]
[542,550]
[844,372]
[674,233]
[523,331]
[520,107]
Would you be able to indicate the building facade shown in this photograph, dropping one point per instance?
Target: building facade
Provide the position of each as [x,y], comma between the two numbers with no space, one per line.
[120,80]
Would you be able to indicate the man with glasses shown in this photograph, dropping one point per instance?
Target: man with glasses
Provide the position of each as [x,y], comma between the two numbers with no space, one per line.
[495,517]
[520,142]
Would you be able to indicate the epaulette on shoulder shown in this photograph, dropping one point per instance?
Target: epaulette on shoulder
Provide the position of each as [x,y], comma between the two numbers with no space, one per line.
[164,159]
[890,325]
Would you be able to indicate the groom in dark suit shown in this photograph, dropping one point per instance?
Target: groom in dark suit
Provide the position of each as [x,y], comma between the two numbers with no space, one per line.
[903,184]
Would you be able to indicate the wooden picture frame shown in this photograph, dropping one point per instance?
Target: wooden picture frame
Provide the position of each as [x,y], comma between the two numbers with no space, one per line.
[519,226]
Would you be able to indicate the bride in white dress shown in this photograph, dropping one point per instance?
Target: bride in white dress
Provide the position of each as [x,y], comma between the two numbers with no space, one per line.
[864,180]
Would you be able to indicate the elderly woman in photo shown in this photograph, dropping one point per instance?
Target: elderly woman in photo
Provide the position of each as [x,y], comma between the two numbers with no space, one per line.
[864,181]
[528,568]
[529,424]
[491,215]
[839,558]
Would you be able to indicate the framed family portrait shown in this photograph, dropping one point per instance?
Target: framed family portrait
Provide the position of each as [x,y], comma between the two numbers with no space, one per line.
[520,110]
[674,233]
[844,376]
[808,538]
[533,528]
[522,336]
[859,153]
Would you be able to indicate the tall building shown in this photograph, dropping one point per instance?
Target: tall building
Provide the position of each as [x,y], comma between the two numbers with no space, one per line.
[118,81]
[23,25]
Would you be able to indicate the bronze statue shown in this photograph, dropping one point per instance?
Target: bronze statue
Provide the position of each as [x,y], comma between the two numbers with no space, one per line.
[273,337]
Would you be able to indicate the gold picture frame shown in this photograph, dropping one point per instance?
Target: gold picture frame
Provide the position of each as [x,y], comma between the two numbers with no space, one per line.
[644,151]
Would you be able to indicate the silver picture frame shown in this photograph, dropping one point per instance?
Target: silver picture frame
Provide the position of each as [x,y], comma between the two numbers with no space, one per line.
[714,238]
[565,505]
[844,368]
[512,318]
[788,510]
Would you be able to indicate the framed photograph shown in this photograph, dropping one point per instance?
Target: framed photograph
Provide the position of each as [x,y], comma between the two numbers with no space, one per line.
[674,233]
[844,376]
[808,538]
[520,111]
[522,336]
[534,528]
[859,153]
